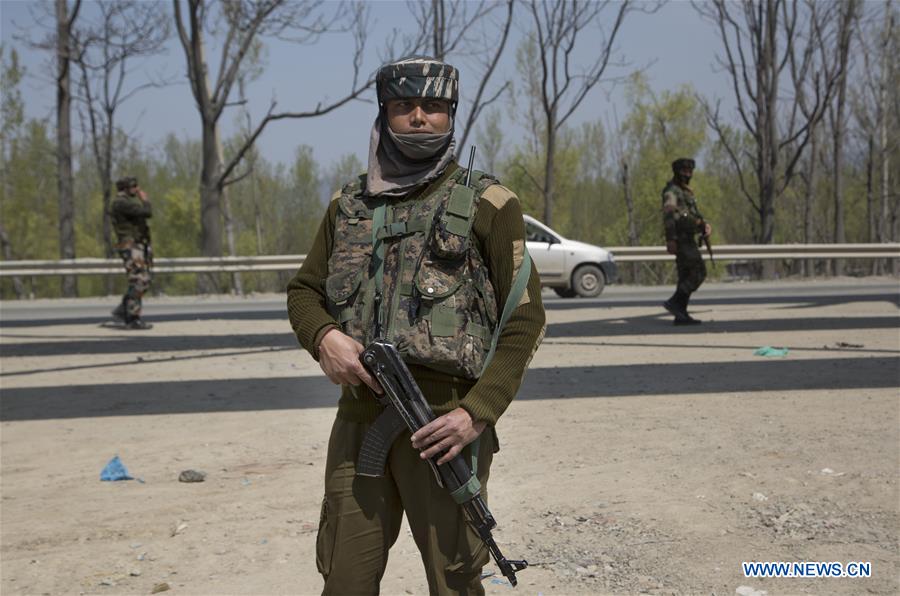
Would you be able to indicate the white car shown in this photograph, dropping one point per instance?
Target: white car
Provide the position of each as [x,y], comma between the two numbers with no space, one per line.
[570,267]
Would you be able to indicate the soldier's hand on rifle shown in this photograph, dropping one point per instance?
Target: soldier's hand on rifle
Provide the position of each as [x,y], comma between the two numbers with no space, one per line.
[339,359]
[705,228]
[671,246]
[452,431]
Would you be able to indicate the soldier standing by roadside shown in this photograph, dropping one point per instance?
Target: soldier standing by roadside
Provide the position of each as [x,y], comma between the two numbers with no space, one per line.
[683,221]
[130,210]
[435,266]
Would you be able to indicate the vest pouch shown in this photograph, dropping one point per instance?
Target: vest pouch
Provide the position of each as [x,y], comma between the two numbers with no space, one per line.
[451,234]
[447,334]
[342,289]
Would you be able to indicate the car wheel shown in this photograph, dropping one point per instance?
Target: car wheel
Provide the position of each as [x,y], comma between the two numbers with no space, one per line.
[588,281]
[565,292]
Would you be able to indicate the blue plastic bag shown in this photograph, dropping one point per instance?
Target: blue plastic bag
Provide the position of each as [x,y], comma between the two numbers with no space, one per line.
[115,470]
[771,352]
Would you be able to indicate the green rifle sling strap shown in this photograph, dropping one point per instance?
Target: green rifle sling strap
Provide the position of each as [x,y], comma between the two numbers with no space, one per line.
[519,287]
[472,487]
[378,218]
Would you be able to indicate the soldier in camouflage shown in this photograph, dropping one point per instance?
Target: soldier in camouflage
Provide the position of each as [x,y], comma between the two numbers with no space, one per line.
[130,210]
[683,222]
[407,248]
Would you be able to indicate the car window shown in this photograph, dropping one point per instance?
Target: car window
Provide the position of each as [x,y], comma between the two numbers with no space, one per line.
[536,234]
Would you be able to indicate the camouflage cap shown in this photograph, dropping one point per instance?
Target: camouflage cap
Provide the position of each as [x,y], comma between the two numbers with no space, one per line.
[417,76]
[683,162]
[126,183]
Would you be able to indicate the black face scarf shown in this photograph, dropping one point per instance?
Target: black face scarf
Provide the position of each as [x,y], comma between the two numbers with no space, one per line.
[398,163]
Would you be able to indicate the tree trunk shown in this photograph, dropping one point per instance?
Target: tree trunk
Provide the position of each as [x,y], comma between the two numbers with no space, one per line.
[8,256]
[886,232]
[633,239]
[236,285]
[257,216]
[871,222]
[549,178]
[65,183]
[767,98]
[210,206]
[837,181]
[807,264]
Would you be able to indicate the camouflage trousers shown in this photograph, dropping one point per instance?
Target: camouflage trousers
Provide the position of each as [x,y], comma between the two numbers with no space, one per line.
[138,270]
[361,518]
[690,265]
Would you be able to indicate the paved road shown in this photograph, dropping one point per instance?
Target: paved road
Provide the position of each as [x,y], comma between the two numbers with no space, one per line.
[218,354]
[91,309]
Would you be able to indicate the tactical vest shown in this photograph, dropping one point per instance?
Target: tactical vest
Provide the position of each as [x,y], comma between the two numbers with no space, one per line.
[128,228]
[688,212]
[438,306]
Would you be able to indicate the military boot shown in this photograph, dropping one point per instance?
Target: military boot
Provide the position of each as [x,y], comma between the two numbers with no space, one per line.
[686,319]
[138,324]
[118,312]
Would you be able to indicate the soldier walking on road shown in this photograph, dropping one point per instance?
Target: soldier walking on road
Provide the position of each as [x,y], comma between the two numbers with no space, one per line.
[683,222]
[408,245]
[130,210]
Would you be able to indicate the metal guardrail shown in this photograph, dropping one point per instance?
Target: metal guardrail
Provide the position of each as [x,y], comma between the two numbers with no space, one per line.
[93,266]
[623,254]
[753,252]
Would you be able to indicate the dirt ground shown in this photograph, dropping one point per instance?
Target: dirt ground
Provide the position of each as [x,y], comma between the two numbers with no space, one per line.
[639,457]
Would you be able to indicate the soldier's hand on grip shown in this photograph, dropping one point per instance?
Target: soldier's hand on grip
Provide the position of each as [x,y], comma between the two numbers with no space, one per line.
[671,246]
[339,359]
[452,431]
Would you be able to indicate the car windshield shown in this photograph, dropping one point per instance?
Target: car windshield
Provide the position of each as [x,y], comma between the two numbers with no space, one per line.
[536,234]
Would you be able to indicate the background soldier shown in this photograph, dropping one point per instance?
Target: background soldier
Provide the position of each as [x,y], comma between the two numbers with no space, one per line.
[400,246]
[683,221]
[130,210]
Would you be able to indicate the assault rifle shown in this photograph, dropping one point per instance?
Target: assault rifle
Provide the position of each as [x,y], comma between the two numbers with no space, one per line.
[407,409]
[704,239]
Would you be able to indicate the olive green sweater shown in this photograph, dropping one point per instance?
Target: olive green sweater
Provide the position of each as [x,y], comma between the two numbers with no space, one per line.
[499,233]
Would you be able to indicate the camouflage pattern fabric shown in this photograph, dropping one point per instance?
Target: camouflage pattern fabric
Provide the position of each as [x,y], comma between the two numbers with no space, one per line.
[129,218]
[690,266]
[680,212]
[439,306]
[137,268]
[417,77]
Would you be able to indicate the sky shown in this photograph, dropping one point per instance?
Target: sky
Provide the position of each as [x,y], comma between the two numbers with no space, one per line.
[674,46]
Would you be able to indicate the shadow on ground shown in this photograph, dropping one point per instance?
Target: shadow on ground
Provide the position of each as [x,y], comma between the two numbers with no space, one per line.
[235,395]
[140,342]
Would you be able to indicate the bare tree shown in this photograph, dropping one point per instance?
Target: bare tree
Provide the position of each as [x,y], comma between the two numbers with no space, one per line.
[125,30]
[562,86]
[827,56]
[760,39]
[65,185]
[453,25]
[875,101]
[244,23]
[837,115]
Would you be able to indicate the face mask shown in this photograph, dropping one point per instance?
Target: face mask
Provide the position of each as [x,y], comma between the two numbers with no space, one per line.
[420,146]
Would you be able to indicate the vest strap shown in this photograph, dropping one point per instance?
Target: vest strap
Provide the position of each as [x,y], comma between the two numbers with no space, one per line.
[473,486]
[520,285]
[378,219]
[401,228]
